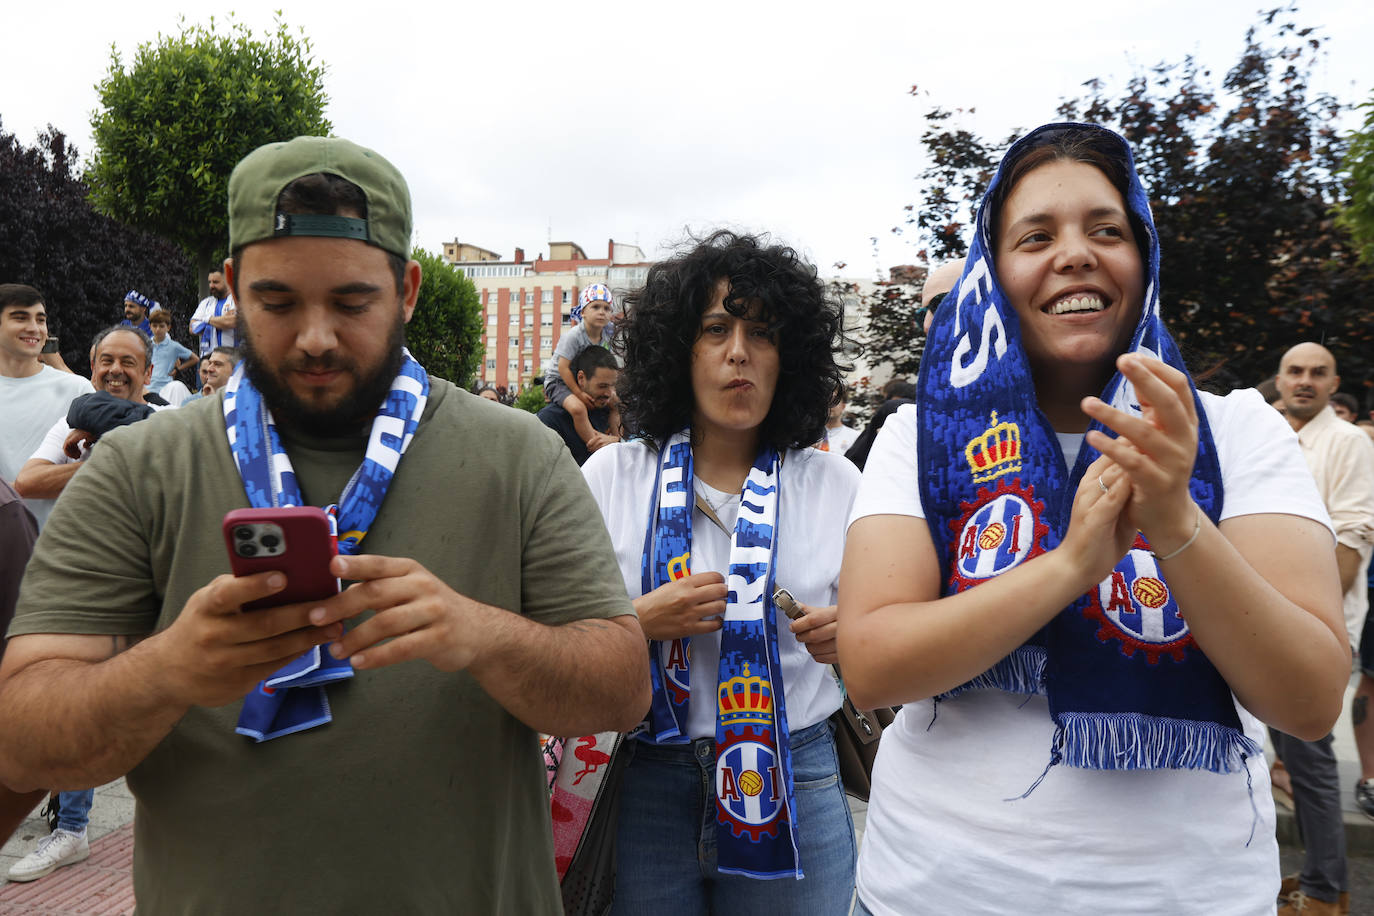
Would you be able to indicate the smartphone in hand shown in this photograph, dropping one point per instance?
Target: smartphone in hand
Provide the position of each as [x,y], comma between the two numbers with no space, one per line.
[296,541]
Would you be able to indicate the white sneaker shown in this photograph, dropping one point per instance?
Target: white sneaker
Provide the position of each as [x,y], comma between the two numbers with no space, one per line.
[61,847]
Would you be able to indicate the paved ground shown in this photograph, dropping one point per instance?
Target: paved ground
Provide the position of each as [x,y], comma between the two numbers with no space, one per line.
[101,885]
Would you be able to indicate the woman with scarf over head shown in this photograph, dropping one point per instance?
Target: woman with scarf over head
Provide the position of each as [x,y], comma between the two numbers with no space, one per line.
[731,802]
[1087,582]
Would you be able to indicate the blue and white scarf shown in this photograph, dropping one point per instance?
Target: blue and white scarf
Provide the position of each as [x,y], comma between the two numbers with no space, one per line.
[293,699]
[755,807]
[1128,687]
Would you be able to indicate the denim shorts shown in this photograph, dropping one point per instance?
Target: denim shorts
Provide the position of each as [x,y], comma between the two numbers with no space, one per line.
[666,838]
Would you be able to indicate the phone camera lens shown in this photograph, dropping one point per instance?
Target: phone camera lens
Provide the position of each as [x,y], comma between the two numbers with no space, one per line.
[248,550]
[270,540]
[243,533]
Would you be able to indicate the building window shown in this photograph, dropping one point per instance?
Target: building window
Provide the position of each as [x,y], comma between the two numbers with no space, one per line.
[529,319]
[491,364]
[529,365]
[514,320]
[567,320]
[513,365]
[491,342]
[545,342]
[529,297]
[567,296]
[546,297]
[491,319]
[546,320]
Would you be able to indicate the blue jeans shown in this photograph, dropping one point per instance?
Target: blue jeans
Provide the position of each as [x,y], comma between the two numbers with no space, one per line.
[666,837]
[76,810]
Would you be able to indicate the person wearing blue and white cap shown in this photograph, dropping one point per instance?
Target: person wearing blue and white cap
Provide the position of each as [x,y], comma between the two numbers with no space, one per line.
[136,309]
[592,327]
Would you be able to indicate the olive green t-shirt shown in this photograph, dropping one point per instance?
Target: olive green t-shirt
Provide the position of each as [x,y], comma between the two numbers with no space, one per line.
[423,795]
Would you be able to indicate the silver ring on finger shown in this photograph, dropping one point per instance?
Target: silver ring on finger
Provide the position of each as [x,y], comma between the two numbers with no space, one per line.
[1100,485]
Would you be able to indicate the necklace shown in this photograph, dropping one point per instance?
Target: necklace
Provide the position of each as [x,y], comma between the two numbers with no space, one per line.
[716,505]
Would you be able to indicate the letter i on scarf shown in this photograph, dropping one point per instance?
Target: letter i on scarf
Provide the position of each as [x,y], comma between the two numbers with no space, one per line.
[1128,687]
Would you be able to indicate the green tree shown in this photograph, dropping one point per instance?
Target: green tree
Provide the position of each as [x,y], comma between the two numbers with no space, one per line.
[445,333]
[1243,179]
[1357,215]
[171,127]
[530,398]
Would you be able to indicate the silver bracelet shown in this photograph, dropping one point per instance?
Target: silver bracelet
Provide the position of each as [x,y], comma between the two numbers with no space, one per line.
[1197,526]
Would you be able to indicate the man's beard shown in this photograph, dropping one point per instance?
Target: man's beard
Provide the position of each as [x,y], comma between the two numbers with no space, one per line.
[296,414]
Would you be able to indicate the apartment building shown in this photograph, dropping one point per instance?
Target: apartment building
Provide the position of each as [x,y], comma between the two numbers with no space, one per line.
[527,304]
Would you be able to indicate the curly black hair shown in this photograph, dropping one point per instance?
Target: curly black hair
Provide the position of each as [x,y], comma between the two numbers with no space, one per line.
[664,321]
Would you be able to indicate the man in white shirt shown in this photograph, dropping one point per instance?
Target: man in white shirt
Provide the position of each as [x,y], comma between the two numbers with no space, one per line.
[1341,459]
[121,364]
[215,316]
[32,395]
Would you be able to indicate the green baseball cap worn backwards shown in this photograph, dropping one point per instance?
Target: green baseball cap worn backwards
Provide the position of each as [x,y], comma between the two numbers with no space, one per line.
[257,181]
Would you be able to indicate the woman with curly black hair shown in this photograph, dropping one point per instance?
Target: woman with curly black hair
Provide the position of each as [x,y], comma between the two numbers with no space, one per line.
[720,504]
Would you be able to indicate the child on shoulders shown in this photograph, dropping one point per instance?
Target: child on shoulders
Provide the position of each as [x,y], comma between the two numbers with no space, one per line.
[591,327]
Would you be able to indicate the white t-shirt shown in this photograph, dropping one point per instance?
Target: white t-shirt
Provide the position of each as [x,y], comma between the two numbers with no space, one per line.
[816,491]
[941,836]
[28,407]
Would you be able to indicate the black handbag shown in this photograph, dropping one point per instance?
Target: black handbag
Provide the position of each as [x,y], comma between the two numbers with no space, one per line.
[588,886]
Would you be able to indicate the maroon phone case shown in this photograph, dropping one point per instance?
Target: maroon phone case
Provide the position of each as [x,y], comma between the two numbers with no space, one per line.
[309,548]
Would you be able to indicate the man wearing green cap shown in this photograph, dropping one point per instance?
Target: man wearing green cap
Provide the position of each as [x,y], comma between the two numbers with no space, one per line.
[374,752]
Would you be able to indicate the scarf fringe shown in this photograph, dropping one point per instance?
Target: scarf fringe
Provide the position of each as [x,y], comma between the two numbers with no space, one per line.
[1134,741]
[1023,671]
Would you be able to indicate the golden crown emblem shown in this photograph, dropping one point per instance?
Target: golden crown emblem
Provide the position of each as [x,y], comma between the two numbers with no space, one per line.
[745,699]
[996,452]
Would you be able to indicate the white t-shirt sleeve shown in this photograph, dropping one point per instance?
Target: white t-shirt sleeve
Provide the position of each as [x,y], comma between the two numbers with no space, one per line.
[51,448]
[599,471]
[889,480]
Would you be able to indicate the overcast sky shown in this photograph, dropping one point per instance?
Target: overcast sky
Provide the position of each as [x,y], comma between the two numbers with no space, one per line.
[517,122]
